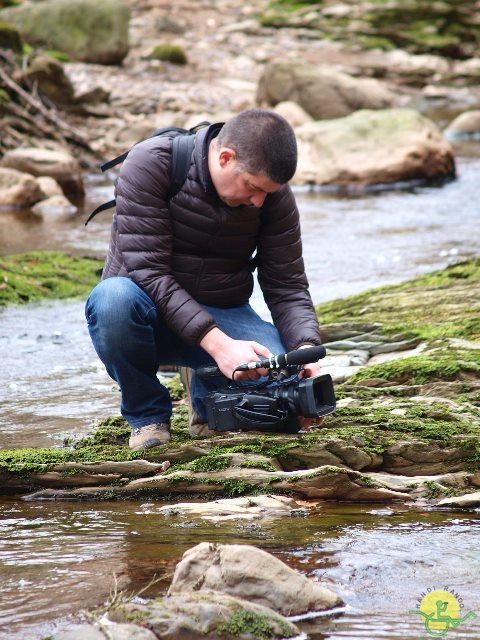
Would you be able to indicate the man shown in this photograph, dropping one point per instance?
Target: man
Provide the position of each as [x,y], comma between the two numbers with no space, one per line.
[179,272]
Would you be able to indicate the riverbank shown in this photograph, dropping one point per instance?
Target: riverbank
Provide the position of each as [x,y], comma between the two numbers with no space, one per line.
[406,364]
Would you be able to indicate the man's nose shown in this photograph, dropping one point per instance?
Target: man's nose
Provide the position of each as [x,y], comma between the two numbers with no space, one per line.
[258,199]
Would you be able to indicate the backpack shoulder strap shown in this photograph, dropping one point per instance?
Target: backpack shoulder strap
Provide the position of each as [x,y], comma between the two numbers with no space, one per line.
[182,148]
[183,141]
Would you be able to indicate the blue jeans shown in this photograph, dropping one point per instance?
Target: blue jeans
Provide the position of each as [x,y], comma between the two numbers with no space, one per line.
[132,341]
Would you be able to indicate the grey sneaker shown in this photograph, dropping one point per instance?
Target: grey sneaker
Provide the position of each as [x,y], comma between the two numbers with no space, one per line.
[152,435]
[197,427]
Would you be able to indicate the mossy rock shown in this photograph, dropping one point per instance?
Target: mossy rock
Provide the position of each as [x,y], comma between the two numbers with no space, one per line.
[422,415]
[169,53]
[38,275]
[10,38]
[447,28]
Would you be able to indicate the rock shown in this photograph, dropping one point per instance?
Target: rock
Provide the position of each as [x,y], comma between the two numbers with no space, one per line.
[18,189]
[325,482]
[48,76]
[198,615]
[320,91]
[60,165]
[246,572]
[293,113]
[79,632]
[125,631]
[55,205]
[248,508]
[421,458]
[464,126]
[86,30]
[373,147]
[331,452]
[49,186]
[10,38]
[467,501]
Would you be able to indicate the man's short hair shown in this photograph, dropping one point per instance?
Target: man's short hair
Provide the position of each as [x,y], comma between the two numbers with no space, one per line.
[264,142]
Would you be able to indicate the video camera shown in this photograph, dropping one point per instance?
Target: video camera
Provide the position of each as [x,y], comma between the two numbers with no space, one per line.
[272,405]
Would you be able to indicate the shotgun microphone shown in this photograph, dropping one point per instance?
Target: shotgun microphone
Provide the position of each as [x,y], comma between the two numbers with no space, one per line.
[290,359]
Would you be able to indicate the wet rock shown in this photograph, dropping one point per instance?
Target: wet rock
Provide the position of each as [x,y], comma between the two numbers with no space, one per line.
[80,632]
[421,458]
[330,452]
[54,206]
[373,147]
[58,164]
[468,501]
[247,508]
[325,482]
[465,126]
[49,186]
[202,614]
[247,572]
[18,189]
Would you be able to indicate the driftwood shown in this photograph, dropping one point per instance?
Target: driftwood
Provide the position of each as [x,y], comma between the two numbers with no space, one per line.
[27,116]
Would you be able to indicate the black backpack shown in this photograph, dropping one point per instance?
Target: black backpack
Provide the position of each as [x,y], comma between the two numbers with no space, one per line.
[182,147]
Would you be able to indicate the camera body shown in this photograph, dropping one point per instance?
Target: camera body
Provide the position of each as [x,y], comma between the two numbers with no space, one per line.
[273,406]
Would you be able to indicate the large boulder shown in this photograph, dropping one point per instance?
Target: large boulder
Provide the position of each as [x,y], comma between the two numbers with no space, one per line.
[59,165]
[373,147]
[18,190]
[87,30]
[322,92]
[250,573]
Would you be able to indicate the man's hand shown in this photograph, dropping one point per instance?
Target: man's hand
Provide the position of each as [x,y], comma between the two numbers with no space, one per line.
[229,354]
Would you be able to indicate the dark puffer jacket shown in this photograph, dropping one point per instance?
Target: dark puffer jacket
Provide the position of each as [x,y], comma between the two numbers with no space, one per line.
[194,249]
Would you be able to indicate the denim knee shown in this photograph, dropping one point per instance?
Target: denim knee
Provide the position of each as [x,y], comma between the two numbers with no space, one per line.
[113,306]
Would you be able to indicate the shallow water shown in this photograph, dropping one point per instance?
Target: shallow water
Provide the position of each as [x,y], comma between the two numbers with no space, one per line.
[59,558]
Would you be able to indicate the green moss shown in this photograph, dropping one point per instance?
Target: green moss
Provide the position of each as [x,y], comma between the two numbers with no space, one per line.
[423,368]
[174,386]
[25,461]
[169,53]
[435,490]
[422,420]
[61,56]
[243,622]
[419,26]
[233,488]
[37,275]
[210,463]
[258,464]
[442,304]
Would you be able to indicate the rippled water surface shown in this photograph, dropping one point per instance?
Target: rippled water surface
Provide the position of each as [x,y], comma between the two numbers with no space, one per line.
[57,558]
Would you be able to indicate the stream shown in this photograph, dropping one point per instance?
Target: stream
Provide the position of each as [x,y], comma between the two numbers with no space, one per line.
[59,558]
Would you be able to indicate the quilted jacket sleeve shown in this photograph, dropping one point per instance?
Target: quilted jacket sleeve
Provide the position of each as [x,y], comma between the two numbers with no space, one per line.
[281,271]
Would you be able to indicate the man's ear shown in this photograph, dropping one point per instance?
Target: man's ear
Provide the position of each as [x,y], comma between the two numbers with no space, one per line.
[226,156]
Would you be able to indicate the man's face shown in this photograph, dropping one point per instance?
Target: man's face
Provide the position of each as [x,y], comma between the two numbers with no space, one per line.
[235,187]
